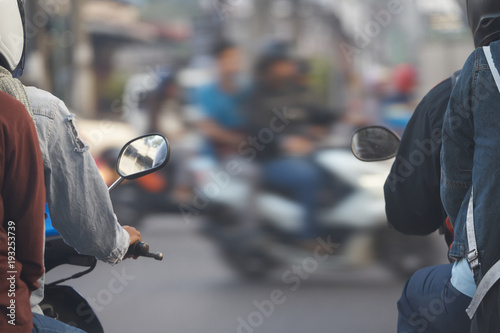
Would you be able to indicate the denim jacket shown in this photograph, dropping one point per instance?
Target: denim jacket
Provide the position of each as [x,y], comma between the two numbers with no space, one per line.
[471,151]
[78,198]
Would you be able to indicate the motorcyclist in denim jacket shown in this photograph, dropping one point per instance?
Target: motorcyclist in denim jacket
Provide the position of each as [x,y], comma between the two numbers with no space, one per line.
[471,142]
[77,195]
[470,158]
[471,154]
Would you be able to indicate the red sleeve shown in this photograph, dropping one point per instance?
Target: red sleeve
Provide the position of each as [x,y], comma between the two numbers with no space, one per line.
[22,208]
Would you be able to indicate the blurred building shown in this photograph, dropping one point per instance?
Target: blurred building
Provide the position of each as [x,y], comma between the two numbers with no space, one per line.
[84,51]
[385,37]
[77,47]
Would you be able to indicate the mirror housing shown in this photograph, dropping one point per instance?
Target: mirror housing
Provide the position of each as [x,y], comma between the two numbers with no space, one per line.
[374,143]
[142,156]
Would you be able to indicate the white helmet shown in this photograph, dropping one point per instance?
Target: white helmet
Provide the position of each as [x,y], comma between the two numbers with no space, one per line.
[12,35]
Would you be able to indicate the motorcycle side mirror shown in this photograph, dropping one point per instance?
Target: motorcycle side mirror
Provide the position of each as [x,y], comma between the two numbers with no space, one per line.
[374,143]
[142,156]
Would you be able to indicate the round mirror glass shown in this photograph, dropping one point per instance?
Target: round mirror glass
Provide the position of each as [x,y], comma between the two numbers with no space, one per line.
[374,144]
[142,156]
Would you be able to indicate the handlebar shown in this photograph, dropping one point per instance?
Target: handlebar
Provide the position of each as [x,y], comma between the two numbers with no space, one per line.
[140,249]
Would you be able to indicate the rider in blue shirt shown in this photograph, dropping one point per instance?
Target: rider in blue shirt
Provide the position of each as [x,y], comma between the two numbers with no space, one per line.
[221,103]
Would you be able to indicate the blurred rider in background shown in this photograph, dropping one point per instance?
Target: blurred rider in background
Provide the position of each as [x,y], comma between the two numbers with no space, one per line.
[221,102]
[286,157]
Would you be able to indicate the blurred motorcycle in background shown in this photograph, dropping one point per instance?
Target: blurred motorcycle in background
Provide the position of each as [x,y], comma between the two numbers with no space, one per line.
[351,214]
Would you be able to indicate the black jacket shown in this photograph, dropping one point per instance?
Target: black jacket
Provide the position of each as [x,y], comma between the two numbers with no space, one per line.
[412,190]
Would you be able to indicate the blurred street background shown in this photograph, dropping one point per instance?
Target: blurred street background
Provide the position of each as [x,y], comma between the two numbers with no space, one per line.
[267,221]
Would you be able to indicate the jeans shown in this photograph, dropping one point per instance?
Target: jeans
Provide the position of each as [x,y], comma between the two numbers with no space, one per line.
[429,303]
[303,179]
[44,324]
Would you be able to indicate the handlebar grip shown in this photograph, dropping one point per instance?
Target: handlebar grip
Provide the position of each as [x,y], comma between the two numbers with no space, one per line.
[141,249]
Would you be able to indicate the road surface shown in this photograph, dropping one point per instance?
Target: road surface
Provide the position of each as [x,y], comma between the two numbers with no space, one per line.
[193,291]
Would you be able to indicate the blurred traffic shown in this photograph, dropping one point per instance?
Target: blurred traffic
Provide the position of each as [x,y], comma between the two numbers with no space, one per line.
[258,100]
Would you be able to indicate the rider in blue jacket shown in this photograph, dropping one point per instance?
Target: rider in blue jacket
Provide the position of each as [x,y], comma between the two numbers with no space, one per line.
[471,162]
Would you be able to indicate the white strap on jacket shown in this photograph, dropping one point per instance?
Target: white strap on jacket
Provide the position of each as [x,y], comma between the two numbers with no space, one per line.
[472,255]
[491,64]
[487,282]
[493,274]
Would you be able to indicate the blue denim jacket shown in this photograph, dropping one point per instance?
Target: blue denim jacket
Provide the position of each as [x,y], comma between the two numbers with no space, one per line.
[471,151]
[78,199]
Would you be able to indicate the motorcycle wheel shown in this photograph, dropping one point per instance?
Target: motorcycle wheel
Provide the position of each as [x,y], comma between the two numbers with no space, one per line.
[251,266]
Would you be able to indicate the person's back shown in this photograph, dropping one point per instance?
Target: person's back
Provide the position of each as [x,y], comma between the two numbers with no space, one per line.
[470,185]
[471,159]
[413,206]
[280,139]
[279,104]
[413,201]
[471,145]
[22,215]
[78,198]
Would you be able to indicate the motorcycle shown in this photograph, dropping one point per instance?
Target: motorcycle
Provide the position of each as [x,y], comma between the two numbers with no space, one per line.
[138,158]
[351,214]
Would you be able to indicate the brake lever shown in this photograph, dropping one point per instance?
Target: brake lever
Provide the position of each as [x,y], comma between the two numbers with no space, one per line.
[140,249]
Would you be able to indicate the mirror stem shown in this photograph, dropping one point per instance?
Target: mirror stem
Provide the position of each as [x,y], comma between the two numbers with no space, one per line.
[115,184]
